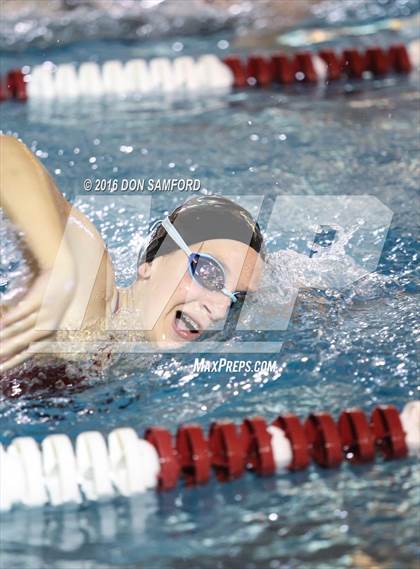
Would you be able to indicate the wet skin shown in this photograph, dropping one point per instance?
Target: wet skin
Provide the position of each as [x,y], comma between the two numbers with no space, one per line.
[175,308]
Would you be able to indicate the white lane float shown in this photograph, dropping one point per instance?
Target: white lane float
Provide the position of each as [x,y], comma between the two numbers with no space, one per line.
[93,466]
[60,470]
[96,467]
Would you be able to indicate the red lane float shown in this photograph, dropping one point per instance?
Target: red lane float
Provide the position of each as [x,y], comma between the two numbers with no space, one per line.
[400,59]
[334,64]
[16,85]
[227,451]
[256,442]
[324,440]
[356,436]
[354,63]
[389,435]
[259,71]
[126,464]
[161,439]
[238,69]
[305,66]
[378,61]
[194,454]
[295,433]
[283,69]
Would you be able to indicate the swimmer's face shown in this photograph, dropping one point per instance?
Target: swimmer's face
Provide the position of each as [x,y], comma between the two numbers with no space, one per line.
[177,309]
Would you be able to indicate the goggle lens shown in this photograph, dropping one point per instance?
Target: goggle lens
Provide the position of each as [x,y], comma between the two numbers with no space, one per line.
[207,272]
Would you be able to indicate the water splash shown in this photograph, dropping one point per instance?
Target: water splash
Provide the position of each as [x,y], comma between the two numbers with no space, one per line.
[15,270]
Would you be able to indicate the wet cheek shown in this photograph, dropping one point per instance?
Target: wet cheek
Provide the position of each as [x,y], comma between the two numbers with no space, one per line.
[185,291]
[168,283]
[188,289]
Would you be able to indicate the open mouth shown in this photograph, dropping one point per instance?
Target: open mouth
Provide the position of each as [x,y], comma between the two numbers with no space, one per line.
[185,326]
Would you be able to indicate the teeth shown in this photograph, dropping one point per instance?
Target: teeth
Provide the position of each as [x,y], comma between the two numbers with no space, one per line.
[189,322]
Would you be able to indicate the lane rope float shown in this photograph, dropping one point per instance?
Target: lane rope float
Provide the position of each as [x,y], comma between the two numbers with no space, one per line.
[95,467]
[206,74]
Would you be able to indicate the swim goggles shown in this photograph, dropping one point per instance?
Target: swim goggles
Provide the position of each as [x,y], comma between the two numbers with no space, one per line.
[203,268]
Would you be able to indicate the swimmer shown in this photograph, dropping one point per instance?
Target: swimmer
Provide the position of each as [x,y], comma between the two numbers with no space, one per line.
[197,262]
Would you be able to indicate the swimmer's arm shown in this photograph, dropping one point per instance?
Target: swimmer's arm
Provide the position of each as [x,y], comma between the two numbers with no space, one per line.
[26,195]
[28,198]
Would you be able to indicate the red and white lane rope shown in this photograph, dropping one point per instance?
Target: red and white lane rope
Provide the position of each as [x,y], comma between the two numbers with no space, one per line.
[206,74]
[325,65]
[94,467]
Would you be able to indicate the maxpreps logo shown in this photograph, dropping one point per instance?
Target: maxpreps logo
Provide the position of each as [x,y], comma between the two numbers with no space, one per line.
[203,365]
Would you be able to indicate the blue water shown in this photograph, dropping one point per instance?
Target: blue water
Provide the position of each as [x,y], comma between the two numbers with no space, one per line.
[342,347]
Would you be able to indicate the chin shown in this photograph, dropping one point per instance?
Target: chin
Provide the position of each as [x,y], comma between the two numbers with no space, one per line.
[174,335]
[168,338]
[170,343]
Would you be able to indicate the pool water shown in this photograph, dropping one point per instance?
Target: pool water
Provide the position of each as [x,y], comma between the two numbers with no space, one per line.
[346,347]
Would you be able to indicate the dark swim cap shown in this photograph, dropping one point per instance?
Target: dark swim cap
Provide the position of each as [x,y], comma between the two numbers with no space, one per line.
[203,218]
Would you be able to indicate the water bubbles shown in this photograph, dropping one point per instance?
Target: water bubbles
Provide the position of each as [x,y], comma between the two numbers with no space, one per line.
[223,44]
[92,160]
[125,149]
[49,65]
[177,46]
[15,272]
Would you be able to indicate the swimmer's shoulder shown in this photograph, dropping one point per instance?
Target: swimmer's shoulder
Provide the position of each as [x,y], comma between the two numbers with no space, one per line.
[84,239]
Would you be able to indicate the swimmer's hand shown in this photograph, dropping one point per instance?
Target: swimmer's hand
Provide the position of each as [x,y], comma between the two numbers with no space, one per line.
[37,316]
[28,197]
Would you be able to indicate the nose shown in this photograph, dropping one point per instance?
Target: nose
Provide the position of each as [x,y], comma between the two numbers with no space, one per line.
[216,305]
